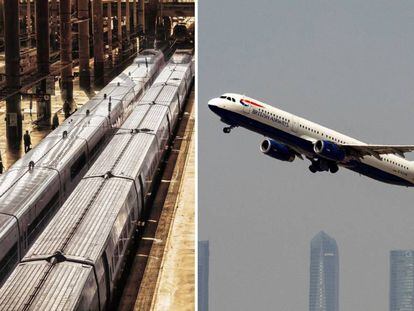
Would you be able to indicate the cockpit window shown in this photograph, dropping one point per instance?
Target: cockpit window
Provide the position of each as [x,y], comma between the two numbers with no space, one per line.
[228,98]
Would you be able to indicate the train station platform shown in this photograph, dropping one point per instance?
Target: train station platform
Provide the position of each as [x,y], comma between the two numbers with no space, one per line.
[37,132]
[175,287]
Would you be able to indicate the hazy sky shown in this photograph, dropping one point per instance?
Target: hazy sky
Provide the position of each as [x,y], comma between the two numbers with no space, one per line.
[348,65]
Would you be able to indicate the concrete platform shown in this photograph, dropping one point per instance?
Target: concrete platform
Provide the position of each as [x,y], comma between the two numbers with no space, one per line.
[175,288]
[37,133]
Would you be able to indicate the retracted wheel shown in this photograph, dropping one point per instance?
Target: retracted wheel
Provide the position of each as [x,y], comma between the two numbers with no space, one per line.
[312,168]
[333,168]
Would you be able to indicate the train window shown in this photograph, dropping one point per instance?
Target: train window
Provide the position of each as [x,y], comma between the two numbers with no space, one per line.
[223,96]
[8,261]
[233,100]
[108,273]
[97,147]
[77,166]
[40,221]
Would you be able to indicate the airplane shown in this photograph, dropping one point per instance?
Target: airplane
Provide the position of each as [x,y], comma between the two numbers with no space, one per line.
[288,136]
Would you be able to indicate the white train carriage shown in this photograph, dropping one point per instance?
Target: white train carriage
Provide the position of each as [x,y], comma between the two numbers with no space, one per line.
[95,225]
[76,261]
[65,275]
[37,184]
[179,73]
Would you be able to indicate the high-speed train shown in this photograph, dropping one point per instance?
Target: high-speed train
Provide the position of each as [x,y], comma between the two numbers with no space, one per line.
[77,260]
[38,184]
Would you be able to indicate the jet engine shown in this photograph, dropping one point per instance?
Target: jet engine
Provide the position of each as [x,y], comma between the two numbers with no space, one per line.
[276,150]
[329,150]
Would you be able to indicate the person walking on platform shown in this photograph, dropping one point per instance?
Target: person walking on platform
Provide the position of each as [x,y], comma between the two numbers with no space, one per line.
[27,142]
[66,109]
[55,121]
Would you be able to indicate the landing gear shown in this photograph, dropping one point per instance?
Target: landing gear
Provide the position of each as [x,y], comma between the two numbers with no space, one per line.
[312,168]
[228,129]
[333,168]
[321,165]
[318,165]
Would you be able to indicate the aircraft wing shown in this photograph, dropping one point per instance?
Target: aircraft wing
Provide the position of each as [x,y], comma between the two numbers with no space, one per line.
[376,150]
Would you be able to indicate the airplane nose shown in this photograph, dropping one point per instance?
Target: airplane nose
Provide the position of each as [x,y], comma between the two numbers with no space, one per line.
[212,102]
[213,105]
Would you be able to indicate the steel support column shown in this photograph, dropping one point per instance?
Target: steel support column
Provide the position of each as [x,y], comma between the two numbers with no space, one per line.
[98,48]
[12,56]
[119,18]
[151,16]
[54,13]
[142,17]
[109,16]
[134,17]
[29,20]
[127,20]
[66,49]
[2,18]
[84,71]
[42,47]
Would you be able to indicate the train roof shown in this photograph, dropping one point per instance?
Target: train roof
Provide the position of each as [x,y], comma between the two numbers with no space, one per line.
[22,193]
[125,160]
[173,74]
[60,289]
[148,56]
[181,56]
[151,52]
[82,226]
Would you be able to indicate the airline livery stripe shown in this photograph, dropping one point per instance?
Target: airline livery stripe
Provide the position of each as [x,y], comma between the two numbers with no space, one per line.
[246,101]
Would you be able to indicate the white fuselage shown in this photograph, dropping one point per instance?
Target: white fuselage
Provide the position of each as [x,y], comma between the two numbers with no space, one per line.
[256,113]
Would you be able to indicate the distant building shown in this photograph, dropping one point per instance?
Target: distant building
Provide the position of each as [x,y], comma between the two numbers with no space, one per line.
[324,274]
[203,270]
[402,280]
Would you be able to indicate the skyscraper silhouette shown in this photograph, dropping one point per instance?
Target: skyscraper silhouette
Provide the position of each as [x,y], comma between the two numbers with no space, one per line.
[203,271]
[402,280]
[324,274]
